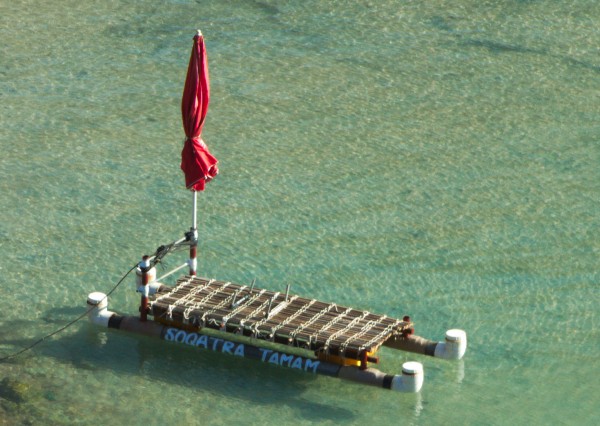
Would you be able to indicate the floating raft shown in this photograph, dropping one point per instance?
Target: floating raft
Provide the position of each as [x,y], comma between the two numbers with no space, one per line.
[325,328]
[335,341]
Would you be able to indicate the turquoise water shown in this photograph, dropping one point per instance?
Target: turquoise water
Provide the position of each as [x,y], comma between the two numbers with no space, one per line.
[437,159]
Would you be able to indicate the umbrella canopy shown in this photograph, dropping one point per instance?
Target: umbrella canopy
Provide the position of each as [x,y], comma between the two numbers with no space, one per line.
[198,165]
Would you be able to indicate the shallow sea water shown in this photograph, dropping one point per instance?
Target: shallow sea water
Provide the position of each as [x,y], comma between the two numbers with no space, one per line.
[437,159]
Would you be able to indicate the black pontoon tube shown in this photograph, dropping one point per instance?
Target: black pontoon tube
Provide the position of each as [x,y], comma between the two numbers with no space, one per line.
[454,346]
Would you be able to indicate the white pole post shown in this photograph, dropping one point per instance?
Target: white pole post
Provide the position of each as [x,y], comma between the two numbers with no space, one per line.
[194,243]
[194,209]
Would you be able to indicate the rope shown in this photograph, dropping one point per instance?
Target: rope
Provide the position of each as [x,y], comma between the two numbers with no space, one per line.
[246,303]
[37,342]
[347,327]
[221,305]
[324,311]
[269,316]
[157,257]
[366,328]
[293,316]
[381,335]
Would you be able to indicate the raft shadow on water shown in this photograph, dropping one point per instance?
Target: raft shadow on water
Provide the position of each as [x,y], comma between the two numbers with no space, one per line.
[448,26]
[500,47]
[96,350]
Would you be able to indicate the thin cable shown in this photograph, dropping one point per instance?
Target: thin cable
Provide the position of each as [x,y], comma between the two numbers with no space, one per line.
[68,324]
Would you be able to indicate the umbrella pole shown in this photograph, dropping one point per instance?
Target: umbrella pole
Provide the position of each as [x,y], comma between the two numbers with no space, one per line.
[194,243]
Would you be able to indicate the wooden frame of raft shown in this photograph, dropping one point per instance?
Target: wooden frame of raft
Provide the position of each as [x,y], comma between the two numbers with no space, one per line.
[336,333]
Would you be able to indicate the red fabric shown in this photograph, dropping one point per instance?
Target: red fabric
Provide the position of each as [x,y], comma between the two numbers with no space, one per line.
[198,165]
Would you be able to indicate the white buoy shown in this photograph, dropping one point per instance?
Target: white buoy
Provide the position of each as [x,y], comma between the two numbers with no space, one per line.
[411,379]
[100,314]
[454,347]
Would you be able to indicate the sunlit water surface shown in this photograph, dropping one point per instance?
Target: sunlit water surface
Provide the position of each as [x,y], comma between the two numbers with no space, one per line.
[437,159]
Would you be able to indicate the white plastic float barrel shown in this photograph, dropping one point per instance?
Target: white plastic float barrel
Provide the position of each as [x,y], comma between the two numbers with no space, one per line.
[454,347]
[99,314]
[411,379]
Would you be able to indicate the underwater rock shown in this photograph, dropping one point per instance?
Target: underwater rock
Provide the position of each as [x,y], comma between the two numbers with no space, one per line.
[13,390]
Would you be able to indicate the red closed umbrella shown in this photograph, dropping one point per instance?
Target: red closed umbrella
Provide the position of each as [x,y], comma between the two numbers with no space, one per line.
[197,163]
